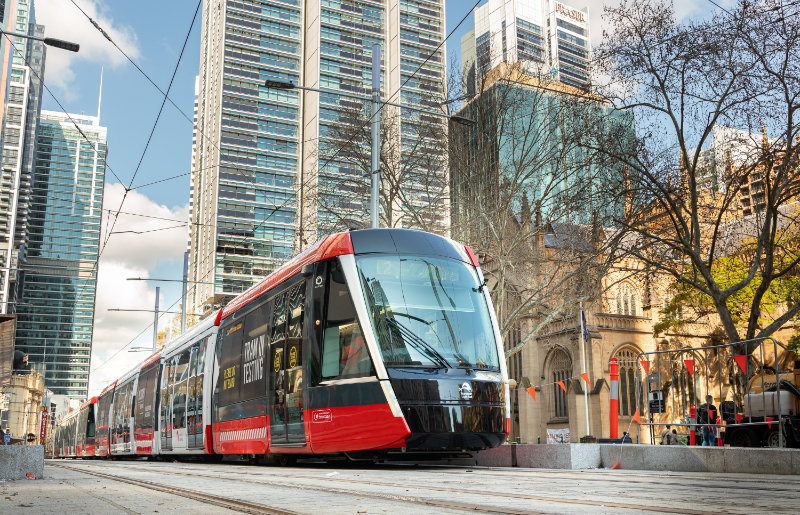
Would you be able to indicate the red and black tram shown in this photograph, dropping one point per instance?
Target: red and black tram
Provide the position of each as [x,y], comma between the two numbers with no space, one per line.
[371,342]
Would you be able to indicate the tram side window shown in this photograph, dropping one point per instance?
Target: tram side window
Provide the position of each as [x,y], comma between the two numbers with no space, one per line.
[90,424]
[146,396]
[344,351]
[179,396]
[230,352]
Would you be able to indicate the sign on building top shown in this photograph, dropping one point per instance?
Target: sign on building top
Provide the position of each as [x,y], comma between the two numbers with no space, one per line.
[571,13]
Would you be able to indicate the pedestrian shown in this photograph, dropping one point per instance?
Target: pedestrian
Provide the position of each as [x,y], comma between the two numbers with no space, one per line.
[675,438]
[707,417]
[666,436]
[626,438]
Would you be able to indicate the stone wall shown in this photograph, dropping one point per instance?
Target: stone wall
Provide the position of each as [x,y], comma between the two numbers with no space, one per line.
[644,457]
[16,461]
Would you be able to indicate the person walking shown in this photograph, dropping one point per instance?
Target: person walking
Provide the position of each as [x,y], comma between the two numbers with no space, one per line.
[666,436]
[707,417]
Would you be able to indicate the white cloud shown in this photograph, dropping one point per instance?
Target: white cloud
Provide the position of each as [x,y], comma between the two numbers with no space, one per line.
[129,254]
[62,20]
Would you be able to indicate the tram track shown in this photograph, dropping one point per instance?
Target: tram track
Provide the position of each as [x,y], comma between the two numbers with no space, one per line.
[216,500]
[292,482]
[660,479]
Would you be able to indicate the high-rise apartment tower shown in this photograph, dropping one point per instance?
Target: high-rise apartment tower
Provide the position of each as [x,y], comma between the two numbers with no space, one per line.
[21,70]
[58,276]
[271,168]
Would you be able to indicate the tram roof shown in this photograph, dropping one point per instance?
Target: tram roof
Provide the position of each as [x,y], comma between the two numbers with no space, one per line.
[364,241]
[328,247]
[184,340]
[93,400]
[108,388]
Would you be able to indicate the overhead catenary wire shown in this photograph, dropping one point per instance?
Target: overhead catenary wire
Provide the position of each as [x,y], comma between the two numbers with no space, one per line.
[155,124]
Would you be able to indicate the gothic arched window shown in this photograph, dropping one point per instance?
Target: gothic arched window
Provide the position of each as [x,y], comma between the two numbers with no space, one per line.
[626,357]
[559,369]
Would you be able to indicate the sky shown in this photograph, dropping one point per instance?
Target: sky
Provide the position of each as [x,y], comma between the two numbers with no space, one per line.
[152,35]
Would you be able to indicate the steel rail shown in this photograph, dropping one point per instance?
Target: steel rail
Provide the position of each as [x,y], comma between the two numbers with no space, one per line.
[216,500]
[282,481]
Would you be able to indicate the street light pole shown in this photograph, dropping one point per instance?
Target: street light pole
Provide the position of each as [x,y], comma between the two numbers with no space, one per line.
[155,322]
[53,42]
[375,175]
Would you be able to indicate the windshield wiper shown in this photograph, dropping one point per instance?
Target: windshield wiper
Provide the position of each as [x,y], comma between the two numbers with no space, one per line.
[420,343]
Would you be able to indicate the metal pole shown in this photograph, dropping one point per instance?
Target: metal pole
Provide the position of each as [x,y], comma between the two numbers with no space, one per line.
[375,179]
[583,360]
[778,385]
[155,321]
[183,290]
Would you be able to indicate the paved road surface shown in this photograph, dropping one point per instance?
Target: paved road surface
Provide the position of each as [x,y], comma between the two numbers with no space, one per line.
[173,487]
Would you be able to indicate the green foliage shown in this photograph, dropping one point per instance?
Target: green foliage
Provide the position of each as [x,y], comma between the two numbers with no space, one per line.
[689,304]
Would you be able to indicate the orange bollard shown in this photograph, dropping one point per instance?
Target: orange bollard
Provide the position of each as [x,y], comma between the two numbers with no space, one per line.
[692,428]
[718,430]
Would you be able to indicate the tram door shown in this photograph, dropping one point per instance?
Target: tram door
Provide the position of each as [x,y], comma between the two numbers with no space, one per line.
[166,406]
[286,367]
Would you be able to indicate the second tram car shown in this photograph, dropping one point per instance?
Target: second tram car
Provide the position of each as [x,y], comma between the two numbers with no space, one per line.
[375,342]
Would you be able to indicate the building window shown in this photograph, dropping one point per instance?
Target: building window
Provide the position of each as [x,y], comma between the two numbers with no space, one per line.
[627,301]
[559,369]
[627,380]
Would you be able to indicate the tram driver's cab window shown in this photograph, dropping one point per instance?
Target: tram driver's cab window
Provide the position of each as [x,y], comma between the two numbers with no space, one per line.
[344,350]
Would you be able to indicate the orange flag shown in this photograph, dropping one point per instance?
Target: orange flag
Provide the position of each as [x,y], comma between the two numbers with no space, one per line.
[646,365]
[532,391]
[561,384]
[585,377]
[637,418]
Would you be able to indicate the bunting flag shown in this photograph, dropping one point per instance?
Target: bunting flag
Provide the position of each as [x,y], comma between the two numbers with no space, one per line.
[689,366]
[532,391]
[561,384]
[585,377]
[646,366]
[742,362]
[636,417]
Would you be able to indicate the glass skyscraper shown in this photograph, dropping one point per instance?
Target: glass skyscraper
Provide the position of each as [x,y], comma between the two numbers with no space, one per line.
[58,276]
[268,172]
[546,37]
[21,70]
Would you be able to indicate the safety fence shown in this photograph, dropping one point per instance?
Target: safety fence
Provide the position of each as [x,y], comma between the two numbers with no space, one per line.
[740,394]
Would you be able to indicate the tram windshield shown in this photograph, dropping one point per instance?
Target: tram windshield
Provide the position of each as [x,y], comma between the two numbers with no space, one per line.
[428,312]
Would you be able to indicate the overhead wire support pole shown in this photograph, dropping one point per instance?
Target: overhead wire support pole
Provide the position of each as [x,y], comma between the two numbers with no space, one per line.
[375,177]
[583,361]
[155,321]
[183,290]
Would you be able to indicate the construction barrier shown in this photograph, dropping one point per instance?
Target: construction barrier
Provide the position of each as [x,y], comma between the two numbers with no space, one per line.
[744,394]
[614,413]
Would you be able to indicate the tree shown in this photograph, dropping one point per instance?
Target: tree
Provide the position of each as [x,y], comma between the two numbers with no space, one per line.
[413,168]
[533,198]
[681,80]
